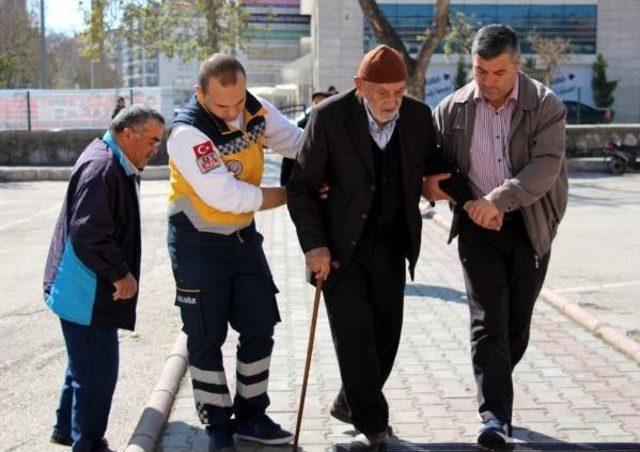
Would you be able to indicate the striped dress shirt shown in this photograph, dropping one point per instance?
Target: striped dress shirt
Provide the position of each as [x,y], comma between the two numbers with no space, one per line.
[490,164]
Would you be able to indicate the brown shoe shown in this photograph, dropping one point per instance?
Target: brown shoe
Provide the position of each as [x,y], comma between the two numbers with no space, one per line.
[369,443]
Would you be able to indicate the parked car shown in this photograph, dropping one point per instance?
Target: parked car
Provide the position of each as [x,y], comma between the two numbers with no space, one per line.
[587,114]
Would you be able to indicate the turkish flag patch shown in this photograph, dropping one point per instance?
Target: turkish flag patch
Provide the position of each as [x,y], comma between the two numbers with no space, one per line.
[202,149]
[206,157]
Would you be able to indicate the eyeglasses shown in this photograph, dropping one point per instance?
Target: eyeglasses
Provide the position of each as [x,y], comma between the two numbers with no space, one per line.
[153,141]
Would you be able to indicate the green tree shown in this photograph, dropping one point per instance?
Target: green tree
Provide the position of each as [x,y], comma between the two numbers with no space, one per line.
[529,64]
[462,73]
[460,37]
[386,34]
[460,40]
[602,87]
[185,28]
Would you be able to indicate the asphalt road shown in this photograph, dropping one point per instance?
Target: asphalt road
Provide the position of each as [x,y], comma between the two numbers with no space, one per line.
[32,353]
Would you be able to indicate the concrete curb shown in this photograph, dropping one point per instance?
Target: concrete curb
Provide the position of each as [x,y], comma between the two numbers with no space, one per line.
[579,315]
[594,325]
[63,173]
[155,414]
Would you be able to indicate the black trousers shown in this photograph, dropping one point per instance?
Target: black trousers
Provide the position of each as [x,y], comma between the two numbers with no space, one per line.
[365,306]
[225,280]
[503,278]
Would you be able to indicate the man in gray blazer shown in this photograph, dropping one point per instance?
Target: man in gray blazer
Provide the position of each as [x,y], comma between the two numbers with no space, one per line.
[506,134]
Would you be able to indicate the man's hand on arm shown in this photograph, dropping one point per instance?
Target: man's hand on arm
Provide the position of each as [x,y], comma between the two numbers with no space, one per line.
[319,261]
[485,213]
[431,188]
[125,288]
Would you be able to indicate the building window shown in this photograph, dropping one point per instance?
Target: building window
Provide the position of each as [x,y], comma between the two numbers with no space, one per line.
[577,23]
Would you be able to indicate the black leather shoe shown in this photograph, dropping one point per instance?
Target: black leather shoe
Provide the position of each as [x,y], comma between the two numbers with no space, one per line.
[61,440]
[102,446]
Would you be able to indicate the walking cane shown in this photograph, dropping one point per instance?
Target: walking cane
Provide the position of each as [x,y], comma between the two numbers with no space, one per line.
[307,365]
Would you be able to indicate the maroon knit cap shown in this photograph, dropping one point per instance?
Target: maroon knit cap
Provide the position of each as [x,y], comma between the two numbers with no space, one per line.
[383,65]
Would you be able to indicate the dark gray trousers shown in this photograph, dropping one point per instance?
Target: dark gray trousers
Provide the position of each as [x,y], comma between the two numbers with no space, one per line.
[503,278]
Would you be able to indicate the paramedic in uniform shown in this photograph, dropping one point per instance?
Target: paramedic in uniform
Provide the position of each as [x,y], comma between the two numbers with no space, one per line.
[222,277]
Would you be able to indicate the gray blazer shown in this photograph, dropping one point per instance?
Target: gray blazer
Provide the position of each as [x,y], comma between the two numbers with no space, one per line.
[539,183]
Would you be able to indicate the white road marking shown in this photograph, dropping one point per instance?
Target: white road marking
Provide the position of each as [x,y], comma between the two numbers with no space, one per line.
[29,218]
[599,287]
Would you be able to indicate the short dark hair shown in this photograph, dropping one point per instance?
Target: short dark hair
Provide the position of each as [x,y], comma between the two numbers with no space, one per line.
[323,94]
[224,68]
[134,115]
[494,40]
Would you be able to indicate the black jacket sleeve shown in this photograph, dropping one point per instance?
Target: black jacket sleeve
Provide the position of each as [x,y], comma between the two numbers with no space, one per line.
[456,186]
[308,173]
[92,226]
[436,161]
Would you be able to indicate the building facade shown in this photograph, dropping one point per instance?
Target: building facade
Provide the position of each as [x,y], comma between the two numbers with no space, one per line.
[592,26]
[272,39]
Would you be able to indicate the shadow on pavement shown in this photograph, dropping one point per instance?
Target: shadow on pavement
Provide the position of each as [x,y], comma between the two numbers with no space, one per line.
[524,440]
[186,437]
[183,437]
[400,445]
[522,434]
[442,293]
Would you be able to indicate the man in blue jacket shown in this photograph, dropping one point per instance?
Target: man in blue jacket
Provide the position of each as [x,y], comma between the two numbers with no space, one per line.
[93,267]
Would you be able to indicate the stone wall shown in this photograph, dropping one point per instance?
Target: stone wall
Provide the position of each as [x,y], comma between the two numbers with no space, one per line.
[61,148]
[588,140]
[52,148]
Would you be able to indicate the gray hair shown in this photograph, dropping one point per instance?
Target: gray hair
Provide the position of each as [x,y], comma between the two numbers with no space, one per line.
[134,115]
[493,40]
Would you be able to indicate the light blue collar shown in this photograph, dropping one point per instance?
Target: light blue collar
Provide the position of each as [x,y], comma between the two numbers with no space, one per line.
[129,168]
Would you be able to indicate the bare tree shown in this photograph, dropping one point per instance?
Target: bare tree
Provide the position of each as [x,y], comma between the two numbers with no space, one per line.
[19,51]
[551,52]
[386,34]
[70,69]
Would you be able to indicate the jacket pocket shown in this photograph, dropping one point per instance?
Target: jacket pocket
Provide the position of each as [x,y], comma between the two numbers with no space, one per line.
[255,310]
[190,303]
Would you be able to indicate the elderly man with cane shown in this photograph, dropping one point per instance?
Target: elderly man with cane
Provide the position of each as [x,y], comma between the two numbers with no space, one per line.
[373,145]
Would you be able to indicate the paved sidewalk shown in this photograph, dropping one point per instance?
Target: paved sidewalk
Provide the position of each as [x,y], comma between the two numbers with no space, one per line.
[570,386]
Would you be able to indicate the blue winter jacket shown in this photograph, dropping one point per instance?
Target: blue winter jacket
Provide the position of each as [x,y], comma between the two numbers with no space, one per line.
[96,240]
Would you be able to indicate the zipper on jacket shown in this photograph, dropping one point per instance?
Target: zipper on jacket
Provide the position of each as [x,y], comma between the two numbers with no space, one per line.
[536,260]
